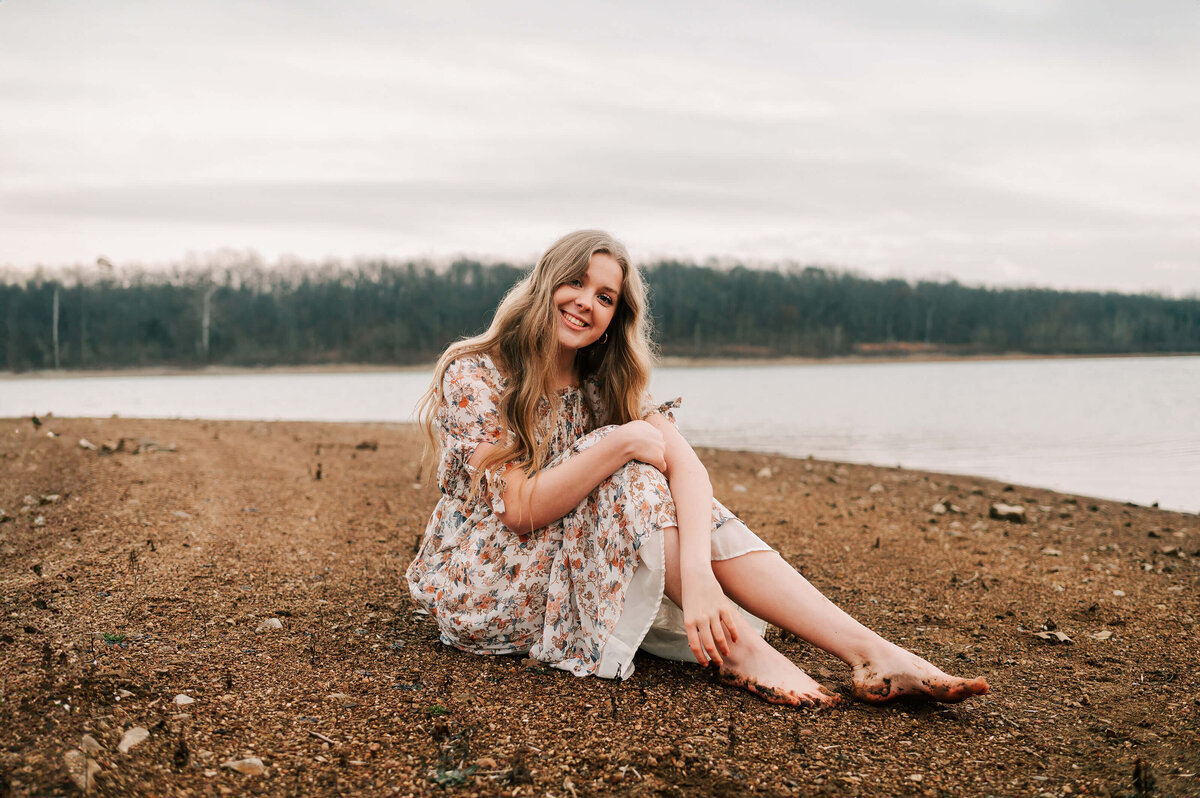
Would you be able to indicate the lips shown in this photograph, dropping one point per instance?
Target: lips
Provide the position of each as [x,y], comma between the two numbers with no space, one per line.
[574,321]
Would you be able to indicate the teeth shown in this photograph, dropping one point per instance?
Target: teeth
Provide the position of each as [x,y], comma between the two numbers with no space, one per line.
[574,321]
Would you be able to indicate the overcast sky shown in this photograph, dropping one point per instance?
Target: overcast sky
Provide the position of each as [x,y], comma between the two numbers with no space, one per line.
[992,141]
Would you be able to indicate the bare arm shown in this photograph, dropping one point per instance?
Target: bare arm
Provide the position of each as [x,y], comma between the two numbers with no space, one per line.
[531,503]
[707,612]
[692,492]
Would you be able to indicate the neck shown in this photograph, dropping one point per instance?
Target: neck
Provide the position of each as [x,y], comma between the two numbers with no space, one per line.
[565,370]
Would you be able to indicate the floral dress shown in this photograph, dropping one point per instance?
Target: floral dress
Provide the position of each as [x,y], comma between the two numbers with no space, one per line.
[581,594]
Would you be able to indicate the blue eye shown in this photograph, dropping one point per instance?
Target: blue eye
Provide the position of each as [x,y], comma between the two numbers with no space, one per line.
[576,283]
[606,299]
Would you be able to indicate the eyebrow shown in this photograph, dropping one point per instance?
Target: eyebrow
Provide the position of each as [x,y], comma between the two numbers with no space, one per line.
[610,289]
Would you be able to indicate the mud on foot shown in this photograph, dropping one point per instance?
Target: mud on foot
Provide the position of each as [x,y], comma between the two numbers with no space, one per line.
[816,696]
[903,674]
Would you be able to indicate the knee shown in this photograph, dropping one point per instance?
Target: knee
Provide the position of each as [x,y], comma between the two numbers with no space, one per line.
[644,474]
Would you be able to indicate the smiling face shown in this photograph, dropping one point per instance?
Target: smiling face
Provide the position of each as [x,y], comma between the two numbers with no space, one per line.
[586,304]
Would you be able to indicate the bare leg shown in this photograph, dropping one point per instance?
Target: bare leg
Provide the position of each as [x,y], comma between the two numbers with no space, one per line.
[752,663]
[767,586]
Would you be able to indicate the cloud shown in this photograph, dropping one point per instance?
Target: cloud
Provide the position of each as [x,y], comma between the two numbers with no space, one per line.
[924,137]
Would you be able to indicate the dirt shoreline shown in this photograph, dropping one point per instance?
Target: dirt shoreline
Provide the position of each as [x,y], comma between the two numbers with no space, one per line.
[149,574]
[665,361]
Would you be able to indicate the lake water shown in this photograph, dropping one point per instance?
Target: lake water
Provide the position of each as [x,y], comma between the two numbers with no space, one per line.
[1120,428]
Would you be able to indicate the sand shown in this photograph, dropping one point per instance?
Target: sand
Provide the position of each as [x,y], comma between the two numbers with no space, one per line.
[134,577]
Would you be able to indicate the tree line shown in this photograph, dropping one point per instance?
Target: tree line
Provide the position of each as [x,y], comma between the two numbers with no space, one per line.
[384,312]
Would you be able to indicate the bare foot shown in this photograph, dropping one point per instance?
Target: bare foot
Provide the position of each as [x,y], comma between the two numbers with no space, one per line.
[896,673]
[753,665]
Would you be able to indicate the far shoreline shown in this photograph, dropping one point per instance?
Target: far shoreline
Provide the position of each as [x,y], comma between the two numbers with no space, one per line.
[670,361]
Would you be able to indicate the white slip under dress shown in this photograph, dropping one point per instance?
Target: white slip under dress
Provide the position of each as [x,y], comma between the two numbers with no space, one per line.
[582,594]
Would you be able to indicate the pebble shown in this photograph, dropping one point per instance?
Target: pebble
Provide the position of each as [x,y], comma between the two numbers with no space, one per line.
[81,768]
[1118,593]
[764,472]
[876,488]
[89,745]
[183,700]
[1007,512]
[84,443]
[181,514]
[132,737]
[268,625]
[251,766]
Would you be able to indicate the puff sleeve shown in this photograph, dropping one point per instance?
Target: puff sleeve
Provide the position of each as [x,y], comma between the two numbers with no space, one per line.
[468,416]
[650,407]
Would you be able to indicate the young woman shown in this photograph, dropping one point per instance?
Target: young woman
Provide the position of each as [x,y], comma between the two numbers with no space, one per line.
[576,524]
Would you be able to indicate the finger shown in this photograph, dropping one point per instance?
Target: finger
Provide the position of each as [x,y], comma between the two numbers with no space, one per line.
[710,647]
[694,645]
[718,633]
[730,621]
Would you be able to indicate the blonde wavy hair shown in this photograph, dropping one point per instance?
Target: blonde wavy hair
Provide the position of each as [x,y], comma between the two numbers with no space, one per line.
[523,343]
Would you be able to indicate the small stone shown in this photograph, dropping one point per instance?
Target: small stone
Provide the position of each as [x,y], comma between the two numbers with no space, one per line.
[1051,552]
[764,472]
[39,521]
[181,514]
[50,498]
[132,737]
[268,625]
[84,443]
[739,488]
[1014,513]
[916,777]
[81,768]
[1054,637]
[183,700]
[939,509]
[124,694]
[1102,635]
[1118,593]
[343,700]
[876,488]
[251,766]
[89,745]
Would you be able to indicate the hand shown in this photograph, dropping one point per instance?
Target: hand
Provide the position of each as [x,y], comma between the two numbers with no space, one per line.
[645,443]
[708,615]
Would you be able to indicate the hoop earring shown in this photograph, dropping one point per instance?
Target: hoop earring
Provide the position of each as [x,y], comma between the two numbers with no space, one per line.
[604,338]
